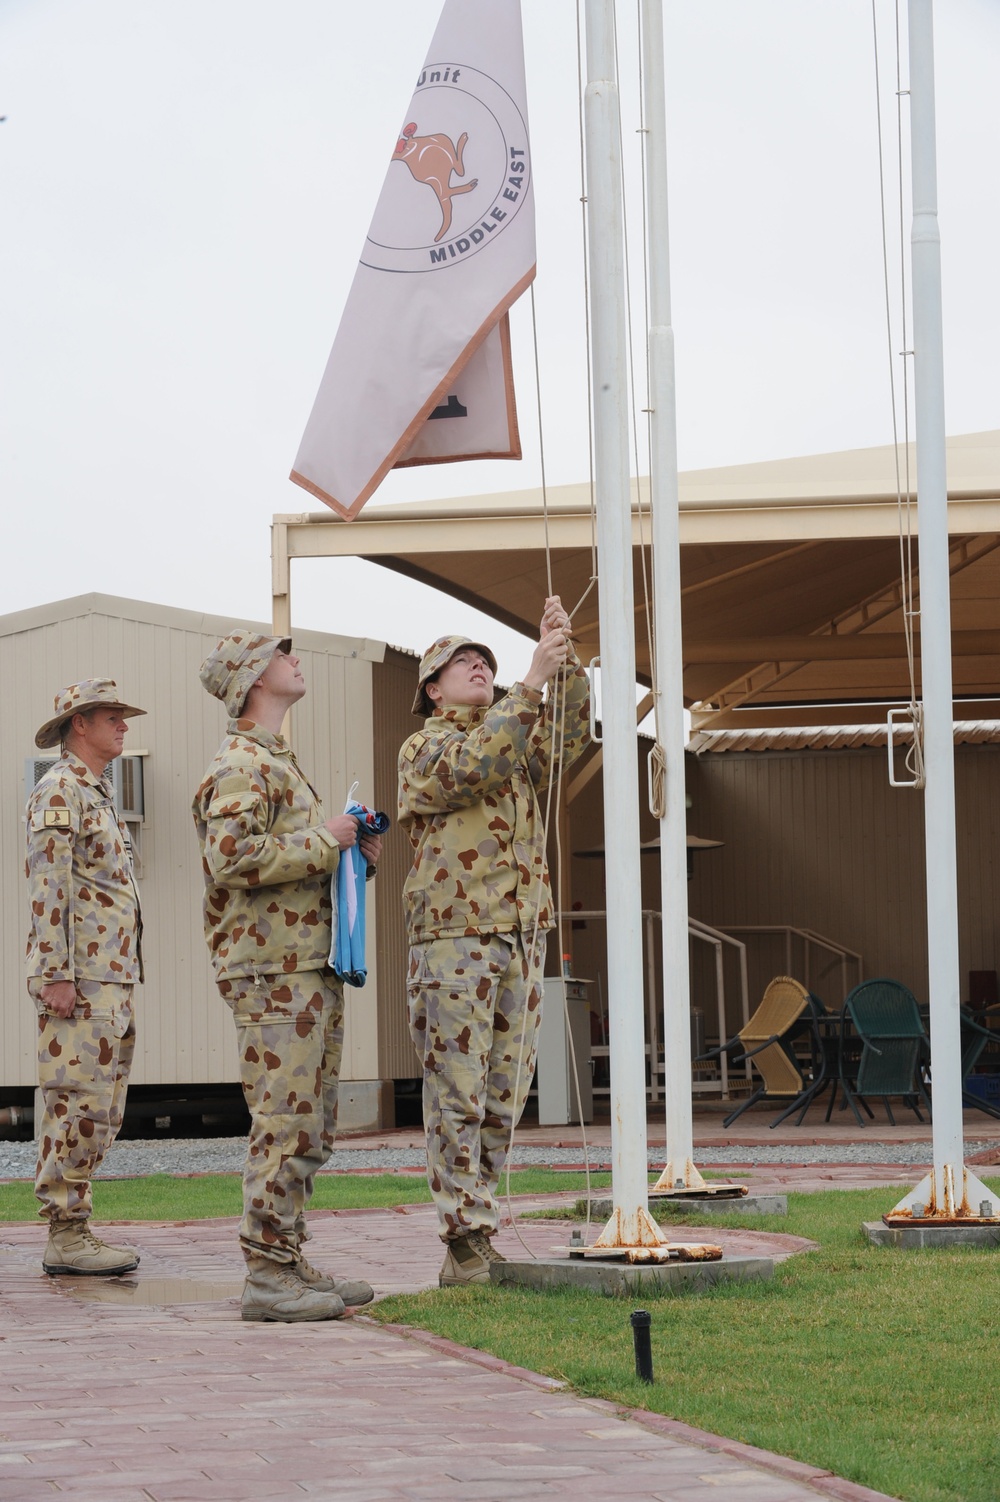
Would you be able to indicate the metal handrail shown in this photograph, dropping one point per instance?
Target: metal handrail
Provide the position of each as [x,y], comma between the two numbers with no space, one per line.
[810,939]
[717,937]
[706,934]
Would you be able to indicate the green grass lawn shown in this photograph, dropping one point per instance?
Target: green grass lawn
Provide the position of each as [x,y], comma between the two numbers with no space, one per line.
[879,1365]
[876,1364]
[161,1196]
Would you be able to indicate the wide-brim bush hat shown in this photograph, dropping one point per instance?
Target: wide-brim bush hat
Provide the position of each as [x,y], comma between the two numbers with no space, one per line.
[92,693]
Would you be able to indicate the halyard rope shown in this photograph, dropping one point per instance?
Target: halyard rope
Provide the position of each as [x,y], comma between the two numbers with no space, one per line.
[904,489]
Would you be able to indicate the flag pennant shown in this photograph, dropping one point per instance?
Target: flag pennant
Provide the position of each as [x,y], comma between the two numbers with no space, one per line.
[420,370]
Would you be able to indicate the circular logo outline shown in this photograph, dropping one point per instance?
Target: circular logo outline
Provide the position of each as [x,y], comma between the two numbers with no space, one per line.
[378,256]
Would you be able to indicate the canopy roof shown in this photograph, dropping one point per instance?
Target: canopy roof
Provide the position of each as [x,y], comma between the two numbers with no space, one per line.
[790,576]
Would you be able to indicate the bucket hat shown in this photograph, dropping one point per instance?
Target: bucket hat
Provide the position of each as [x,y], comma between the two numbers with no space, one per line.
[230,672]
[438,656]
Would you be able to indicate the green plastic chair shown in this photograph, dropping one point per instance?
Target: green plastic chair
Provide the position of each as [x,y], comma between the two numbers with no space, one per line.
[882,1045]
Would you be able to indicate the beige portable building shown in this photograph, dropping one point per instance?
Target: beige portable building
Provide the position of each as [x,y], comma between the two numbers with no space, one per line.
[349,727]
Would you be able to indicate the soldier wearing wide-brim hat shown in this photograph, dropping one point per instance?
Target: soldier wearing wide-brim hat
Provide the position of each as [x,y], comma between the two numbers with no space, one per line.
[268,856]
[84,960]
[478,906]
[92,693]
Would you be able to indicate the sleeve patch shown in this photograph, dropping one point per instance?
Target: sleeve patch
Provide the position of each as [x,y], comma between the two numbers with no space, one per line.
[227,806]
[234,783]
[56,818]
[413,747]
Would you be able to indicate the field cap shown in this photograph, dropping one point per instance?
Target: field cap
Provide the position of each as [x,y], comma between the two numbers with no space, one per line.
[92,693]
[438,656]
[230,672]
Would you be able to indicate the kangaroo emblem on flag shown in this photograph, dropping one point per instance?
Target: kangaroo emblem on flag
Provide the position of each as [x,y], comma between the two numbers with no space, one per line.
[432,160]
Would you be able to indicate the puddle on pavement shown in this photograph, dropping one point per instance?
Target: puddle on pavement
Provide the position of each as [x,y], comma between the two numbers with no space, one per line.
[147,1290]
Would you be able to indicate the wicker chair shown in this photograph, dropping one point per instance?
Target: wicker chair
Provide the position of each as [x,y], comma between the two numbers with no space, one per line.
[766,1039]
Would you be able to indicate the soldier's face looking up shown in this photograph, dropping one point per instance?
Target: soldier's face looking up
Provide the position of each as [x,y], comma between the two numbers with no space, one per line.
[97,736]
[466,678]
[283,677]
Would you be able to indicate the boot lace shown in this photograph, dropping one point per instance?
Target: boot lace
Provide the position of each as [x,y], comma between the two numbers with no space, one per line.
[481,1243]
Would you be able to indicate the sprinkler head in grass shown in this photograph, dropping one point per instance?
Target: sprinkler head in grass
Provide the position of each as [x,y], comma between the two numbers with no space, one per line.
[641,1321]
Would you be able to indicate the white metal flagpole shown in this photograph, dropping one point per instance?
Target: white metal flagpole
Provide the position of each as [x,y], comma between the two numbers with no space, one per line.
[630,1224]
[950,1190]
[679,1171]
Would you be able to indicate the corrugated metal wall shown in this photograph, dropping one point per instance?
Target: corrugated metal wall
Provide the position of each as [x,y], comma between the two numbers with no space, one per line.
[820,840]
[393,684]
[185,1032]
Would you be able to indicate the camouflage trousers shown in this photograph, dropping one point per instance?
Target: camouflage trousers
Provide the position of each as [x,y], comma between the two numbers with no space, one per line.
[474,1007]
[83,1070]
[290,1034]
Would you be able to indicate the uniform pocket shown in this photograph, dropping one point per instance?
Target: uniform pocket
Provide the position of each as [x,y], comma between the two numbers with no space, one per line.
[271,1000]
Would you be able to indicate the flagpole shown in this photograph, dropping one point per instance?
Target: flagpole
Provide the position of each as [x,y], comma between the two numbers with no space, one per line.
[950,1190]
[630,1224]
[679,1170]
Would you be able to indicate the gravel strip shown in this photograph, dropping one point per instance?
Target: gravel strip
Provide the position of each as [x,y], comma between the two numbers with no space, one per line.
[131,1159]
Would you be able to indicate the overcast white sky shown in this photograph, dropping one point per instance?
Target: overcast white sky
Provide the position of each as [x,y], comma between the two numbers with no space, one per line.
[185,188]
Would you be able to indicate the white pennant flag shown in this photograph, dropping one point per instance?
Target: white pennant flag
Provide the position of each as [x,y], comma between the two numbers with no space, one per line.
[420,370]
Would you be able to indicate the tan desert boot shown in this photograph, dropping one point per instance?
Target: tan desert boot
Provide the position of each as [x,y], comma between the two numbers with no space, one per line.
[73,1248]
[353,1291]
[273,1292]
[468,1259]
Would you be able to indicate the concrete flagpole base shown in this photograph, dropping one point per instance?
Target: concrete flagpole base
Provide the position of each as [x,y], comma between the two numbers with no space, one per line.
[619,1277]
[709,1204]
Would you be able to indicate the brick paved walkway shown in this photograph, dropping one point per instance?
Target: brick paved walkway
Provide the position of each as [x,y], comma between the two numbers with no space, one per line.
[112,1399]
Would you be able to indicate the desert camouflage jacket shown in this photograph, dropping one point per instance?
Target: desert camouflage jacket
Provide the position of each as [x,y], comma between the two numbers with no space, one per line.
[468,785]
[85,918]
[267,858]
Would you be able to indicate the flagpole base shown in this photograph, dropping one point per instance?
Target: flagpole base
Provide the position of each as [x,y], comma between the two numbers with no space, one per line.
[634,1236]
[665,1251]
[966,1201]
[677,1182]
[633,1230]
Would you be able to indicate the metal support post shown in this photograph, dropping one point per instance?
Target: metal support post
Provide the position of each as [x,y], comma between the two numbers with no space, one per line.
[630,1224]
[950,1191]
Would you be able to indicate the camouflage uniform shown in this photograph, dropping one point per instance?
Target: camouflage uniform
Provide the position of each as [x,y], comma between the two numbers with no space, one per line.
[478,903]
[268,859]
[86,928]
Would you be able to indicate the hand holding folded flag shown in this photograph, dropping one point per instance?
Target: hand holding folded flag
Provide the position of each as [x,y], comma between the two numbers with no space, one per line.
[347,949]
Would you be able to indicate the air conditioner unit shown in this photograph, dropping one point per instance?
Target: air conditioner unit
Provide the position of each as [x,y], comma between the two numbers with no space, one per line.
[124,774]
[35,767]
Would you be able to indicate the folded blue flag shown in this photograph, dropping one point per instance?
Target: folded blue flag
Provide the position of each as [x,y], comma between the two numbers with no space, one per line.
[347,950]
